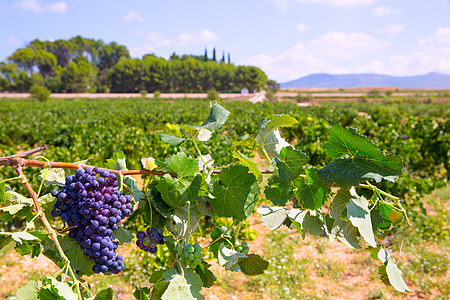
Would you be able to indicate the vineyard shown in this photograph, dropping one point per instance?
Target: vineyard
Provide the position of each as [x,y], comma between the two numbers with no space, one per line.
[312,177]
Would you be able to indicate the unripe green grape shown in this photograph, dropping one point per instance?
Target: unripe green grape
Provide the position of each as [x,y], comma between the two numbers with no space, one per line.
[244,244]
[197,248]
[197,260]
[198,254]
[191,257]
[191,249]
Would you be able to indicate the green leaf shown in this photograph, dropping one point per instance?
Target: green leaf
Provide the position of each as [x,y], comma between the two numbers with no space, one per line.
[203,135]
[290,164]
[228,258]
[11,197]
[208,278]
[253,265]
[362,160]
[338,205]
[273,217]
[171,140]
[311,191]
[13,209]
[22,235]
[158,290]
[183,166]
[247,162]
[149,163]
[29,291]
[117,162]
[2,193]
[359,214]
[268,136]
[235,193]
[122,235]
[306,220]
[106,294]
[345,172]
[63,289]
[182,287]
[78,260]
[48,294]
[395,277]
[178,222]
[277,191]
[47,203]
[132,184]
[54,176]
[345,233]
[389,213]
[217,117]
[141,293]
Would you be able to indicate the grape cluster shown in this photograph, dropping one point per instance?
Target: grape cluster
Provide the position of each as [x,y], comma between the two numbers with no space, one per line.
[91,204]
[192,255]
[243,247]
[149,239]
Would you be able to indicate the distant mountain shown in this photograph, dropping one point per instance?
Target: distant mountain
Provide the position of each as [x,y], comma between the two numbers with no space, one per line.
[323,80]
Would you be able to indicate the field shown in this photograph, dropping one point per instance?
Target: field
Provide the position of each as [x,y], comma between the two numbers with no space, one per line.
[94,129]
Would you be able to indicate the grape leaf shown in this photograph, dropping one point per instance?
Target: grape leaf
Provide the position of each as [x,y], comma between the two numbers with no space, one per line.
[395,276]
[182,165]
[247,162]
[171,140]
[21,235]
[359,214]
[273,217]
[290,163]
[29,291]
[389,213]
[141,293]
[182,287]
[346,233]
[62,288]
[338,205]
[117,162]
[122,235]
[208,278]
[357,160]
[234,194]
[268,136]
[305,220]
[277,191]
[149,163]
[311,191]
[54,176]
[106,294]
[228,258]
[253,265]
[217,117]
[158,290]
[78,260]
[132,184]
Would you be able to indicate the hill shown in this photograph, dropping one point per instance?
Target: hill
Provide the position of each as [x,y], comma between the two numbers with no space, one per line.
[323,80]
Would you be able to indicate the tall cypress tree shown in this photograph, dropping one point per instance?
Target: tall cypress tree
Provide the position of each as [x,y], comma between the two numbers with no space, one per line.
[223,57]
[214,54]
[206,54]
[229,60]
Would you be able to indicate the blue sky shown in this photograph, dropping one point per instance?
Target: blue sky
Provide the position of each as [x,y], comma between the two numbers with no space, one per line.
[286,38]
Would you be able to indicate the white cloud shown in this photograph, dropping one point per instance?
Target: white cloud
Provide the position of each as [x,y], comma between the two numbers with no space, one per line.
[13,41]
[384,11]
[302,27]
[302,59]
[281,4]
[133,16]
[156,40]
[392,30]
[345,3]
[38,7]
[322,54]
[345,45]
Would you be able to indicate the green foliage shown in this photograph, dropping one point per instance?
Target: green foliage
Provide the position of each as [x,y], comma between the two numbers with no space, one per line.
[143,93]
[359,212]
[212,95]
[40,93]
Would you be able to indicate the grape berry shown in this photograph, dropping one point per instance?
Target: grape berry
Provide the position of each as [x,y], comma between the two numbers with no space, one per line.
[91,204]
[243,247]
[149,239]
[192,255]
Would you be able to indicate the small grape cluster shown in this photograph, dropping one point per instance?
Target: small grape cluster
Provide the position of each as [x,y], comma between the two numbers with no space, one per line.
[149,239]
[242,247]
[192,255]
[91,204]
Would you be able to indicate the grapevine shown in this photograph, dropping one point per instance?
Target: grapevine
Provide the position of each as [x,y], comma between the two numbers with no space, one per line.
[93,202]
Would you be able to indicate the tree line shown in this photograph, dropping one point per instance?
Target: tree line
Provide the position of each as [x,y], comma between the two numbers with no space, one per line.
[82,65]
